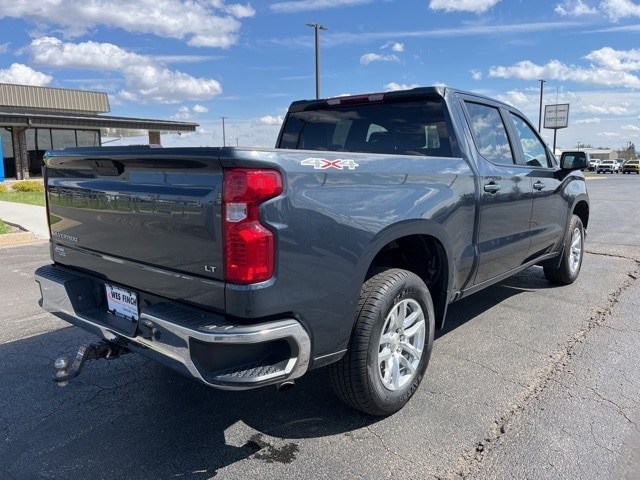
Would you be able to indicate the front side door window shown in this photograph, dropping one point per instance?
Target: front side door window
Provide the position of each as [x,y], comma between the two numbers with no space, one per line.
[535,152]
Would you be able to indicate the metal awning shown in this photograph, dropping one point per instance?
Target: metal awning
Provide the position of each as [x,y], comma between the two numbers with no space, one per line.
[109,126]
[23,107]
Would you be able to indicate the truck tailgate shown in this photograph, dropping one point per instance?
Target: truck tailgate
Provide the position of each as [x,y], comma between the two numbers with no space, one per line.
[144,217]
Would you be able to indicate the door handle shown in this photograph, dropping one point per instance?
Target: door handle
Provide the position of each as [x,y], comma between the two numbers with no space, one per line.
[491,187]
[539,185]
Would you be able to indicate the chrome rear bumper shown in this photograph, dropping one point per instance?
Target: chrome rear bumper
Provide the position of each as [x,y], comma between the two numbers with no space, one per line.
[196,343]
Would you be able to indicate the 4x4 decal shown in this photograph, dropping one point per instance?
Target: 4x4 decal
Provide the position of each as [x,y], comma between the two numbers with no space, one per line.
[323,163]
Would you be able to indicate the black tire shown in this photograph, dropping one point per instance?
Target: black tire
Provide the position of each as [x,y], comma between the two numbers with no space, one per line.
[572,254]
[385,361]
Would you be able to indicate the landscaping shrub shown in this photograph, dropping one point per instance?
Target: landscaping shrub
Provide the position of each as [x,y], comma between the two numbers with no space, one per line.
[28,186]
[3,188]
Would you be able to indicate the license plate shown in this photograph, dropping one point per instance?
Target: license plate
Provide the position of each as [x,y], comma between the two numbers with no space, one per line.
[122,302]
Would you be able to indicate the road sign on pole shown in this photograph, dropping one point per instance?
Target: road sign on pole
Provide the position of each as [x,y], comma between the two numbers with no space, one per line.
[556,116]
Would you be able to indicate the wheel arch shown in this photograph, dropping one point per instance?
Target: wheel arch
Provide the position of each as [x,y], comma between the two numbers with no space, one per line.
[421,249]
[581,209]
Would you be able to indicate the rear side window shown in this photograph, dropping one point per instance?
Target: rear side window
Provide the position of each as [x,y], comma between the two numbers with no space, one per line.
[415,127]
[489,133]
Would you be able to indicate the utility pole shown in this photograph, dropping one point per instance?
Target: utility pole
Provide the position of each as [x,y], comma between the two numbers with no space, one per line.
[540,114]
[317,27]
[224,143]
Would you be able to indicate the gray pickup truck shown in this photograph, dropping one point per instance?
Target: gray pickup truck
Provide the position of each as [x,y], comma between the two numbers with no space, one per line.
[342,247]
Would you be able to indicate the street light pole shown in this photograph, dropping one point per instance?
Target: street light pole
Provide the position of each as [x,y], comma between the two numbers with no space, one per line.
[540,114]
[224,143]
[317,27]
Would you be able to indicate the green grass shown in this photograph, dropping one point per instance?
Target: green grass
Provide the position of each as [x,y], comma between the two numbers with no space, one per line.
[31,198]
[4,228]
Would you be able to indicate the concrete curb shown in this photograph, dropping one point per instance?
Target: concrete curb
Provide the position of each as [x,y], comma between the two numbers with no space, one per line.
[27,218]
[19,238]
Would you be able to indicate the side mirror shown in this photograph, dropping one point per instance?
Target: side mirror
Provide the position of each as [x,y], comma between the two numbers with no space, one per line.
[573,163]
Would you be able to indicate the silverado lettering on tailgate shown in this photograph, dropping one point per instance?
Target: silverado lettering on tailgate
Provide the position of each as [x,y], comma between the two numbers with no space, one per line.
[122,202]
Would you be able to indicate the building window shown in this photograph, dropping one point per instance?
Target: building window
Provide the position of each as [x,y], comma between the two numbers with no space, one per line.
[7,143]
[63,138]
[43,139]
[88,138]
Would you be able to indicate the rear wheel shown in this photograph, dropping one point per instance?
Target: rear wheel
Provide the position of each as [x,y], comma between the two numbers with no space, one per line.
[572,254]
[390,345]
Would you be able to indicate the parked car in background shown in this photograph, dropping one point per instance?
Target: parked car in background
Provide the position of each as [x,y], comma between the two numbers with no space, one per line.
[608,166]
[632,166]
[621,162]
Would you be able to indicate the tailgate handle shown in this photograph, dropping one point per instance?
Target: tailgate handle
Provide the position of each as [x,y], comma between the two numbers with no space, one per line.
[109,168]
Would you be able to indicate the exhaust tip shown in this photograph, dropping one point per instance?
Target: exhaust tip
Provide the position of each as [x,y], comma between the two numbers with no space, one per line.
[284,386]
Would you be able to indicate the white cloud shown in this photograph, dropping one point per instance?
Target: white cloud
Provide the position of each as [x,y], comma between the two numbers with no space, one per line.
[185,113]
[617,60]
[23,75]
[614,9]
[202,23]
[392,86]
[610,68]
[609,134]
[587,121]
[241,11]
[474,6]
[605,110]
[367,58]
[630,128]
[575,9]
[271,120]
[394,46]
[617,9]
[4,48]
[296,6]
[515,97]
[146,80]
[476,74]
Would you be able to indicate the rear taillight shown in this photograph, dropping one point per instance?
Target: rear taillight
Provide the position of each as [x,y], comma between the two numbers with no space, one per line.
[249,248]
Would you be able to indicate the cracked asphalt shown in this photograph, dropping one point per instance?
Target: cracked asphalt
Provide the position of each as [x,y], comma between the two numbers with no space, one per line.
[527,381]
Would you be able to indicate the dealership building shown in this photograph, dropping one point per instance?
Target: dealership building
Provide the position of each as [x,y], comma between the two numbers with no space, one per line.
[36,119]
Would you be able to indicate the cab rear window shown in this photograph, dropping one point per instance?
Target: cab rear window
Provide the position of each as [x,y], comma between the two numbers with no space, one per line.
[400,127]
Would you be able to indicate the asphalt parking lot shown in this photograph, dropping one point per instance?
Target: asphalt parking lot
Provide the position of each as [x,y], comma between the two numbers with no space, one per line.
[526,381]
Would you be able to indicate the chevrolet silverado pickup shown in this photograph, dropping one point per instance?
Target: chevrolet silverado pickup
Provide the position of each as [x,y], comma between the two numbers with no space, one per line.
[341,247]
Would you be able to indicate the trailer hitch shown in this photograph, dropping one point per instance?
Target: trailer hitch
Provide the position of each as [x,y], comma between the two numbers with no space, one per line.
[65,371]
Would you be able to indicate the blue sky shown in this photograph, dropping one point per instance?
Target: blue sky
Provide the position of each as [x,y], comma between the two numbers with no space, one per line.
[200,60]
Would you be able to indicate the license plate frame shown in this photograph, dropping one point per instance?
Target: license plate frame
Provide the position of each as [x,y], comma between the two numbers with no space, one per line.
[122,302]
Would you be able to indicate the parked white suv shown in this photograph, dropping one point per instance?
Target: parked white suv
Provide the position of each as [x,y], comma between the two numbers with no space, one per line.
[608,166]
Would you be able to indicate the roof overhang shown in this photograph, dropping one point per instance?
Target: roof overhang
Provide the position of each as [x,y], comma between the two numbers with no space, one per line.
[108,126]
